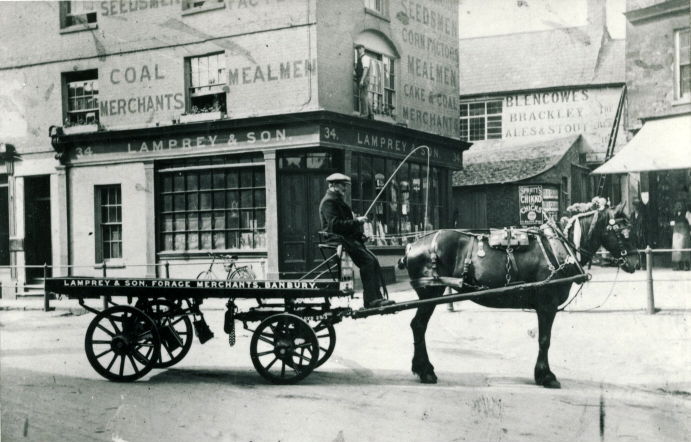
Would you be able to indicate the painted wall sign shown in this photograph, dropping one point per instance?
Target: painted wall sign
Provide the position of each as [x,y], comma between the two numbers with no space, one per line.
[530,205]
[550,202]
[559,113]
[428,33]
[277,71]
[120,7]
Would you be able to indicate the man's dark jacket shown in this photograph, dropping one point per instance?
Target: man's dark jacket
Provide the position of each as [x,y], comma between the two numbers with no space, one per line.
[337,217]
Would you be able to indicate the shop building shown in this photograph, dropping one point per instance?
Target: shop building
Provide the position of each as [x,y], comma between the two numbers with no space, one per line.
[656,160]
[536,88]
[179,129]
[506,185]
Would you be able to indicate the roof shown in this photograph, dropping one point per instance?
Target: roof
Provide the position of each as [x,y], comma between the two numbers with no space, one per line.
[661,144]
[499,161]
[544,59]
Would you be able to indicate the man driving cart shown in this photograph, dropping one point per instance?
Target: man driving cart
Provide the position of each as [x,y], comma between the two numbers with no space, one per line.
[341,226]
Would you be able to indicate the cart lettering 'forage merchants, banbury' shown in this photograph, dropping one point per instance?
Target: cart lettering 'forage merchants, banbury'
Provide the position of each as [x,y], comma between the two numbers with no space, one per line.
[162,283]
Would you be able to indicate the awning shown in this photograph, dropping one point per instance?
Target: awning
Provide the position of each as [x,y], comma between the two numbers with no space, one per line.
[661,144]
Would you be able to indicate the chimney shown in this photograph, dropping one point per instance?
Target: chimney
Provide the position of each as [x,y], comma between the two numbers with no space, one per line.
[597,14]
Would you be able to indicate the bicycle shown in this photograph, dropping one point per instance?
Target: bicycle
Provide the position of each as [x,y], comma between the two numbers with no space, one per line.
[233,271]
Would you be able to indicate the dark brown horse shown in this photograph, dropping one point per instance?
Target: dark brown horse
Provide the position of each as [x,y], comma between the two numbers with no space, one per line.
[546,253]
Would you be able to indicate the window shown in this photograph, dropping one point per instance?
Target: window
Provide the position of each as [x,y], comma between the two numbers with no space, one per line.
[77,13]
[108,218]
[81,98]
[399,214]
[376,5]
[382,86]
[216,203]
[207,78]
[683,64]
[201,5]
[481,120]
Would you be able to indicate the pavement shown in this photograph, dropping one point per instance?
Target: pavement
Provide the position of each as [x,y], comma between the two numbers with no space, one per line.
[609,290]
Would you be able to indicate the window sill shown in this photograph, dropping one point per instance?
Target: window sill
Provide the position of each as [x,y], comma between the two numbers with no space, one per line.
[377,14]
[78,28]
[80,129]
[191,118]
[212,7]
[681,101]
[111,264]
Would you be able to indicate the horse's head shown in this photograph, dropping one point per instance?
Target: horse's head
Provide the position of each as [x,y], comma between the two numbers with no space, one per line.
[617,238]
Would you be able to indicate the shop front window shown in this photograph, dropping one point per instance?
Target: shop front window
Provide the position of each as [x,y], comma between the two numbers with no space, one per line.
[212,204]
[398,215]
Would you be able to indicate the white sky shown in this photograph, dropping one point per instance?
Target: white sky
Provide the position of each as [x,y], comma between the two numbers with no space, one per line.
[493,17]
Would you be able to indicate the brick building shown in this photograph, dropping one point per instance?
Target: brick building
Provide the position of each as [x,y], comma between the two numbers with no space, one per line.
[532,89]
[184,128]
[656,160]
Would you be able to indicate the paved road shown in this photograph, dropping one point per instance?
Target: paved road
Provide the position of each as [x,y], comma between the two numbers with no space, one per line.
[625,376]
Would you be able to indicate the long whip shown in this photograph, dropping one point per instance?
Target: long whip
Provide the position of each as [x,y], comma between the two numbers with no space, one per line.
[394,174]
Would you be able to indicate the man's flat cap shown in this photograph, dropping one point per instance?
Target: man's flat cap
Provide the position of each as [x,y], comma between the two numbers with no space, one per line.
[338,178]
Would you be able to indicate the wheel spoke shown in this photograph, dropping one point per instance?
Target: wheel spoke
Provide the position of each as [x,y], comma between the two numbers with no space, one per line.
[301,356]
[115,327]
[101,354]
[101,342]
[303,345]
[122,365]
[264,353]
[283,368]
[263,339]
[112,361]
[140,357]
[108,332]
[271,364]
[323,336]
[324,349]
[136,370]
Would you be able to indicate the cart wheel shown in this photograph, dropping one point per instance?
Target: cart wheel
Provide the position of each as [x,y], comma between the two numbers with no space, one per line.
[326,336]
[122,343]
[284,349]
[174,329]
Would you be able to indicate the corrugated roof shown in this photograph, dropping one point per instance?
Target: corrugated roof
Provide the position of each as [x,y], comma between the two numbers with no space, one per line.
[544,59]
[500,161]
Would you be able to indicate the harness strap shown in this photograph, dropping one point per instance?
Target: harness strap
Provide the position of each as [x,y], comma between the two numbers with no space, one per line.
[544,253]
[434,257]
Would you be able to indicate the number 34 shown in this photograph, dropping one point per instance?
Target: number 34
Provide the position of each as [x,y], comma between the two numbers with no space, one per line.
[84,151]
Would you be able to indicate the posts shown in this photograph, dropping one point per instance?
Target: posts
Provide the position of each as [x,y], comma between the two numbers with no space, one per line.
[649,279]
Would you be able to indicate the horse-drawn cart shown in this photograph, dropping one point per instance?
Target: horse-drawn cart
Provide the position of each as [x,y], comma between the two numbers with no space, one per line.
[149,323]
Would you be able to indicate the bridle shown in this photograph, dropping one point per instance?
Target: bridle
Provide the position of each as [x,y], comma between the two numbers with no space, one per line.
[613,225]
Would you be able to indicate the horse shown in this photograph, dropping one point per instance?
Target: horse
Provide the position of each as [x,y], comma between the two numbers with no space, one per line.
[547,253]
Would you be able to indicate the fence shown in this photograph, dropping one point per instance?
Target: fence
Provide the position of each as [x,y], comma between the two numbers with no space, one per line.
[165,266]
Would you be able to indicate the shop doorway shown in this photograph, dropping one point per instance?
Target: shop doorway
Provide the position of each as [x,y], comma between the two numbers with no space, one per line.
[37,227]
[301,186]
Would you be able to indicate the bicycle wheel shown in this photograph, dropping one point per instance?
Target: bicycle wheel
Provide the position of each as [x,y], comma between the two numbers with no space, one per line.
[243,273]
[206,274]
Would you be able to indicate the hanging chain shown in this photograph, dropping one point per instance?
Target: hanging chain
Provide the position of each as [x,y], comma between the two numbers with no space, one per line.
[509,250]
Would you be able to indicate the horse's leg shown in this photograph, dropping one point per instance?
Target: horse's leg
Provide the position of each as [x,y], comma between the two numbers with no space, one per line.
[543,375]
[421,364]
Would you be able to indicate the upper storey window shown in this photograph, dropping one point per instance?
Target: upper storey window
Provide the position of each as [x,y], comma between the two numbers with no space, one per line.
[207,83]
[201,5]
[378,6]
[81,98]
[76,15]
[481,120]
[374,83]
[683,64]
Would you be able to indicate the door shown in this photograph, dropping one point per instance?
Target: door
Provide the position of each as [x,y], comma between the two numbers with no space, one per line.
[37,237]
[473,209]
[298,221]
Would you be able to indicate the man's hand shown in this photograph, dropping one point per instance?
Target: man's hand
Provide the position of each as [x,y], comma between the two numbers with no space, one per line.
[361,219]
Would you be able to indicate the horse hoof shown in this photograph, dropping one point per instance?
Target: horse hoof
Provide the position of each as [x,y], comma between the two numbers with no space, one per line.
[552,383]
[428,378]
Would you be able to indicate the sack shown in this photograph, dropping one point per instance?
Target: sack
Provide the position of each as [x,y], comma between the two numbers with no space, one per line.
[508,237]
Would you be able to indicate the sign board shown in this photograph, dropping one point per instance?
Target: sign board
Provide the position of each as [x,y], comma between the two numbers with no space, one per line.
[550,203]
[530,205]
